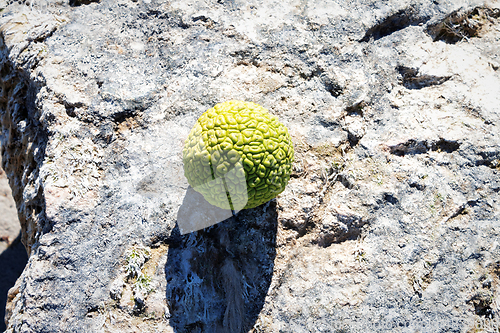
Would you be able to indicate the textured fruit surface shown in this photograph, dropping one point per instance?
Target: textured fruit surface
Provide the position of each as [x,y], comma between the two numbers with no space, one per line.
[238,155]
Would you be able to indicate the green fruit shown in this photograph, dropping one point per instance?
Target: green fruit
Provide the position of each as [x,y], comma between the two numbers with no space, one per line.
[238,155]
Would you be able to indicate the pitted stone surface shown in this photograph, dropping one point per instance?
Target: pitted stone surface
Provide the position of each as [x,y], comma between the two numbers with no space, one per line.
[390,219]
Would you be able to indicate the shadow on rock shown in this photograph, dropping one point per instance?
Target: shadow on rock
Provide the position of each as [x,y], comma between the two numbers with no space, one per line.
[12,263]
[218,277]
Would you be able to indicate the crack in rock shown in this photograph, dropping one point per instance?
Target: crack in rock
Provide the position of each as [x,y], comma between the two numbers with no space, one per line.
[395,22]
[411,79]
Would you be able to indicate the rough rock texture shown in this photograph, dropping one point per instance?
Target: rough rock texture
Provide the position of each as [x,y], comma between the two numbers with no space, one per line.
[12,252]
[9,224]
[391,219]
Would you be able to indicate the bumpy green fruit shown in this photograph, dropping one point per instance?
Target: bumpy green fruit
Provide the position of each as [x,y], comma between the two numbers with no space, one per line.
[238,155]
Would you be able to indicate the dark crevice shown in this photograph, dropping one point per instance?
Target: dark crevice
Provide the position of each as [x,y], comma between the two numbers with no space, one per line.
[76,3]
[19,111]
[156,14]
[390,199]
[356,109]
[202,18]
[123,116]
[473,203]
[44,36]
[448,146]
[463,24]
[395,22]
[303,229]
[417,185]
[490,159]
[482,305]
[344,180]
[482,162]
[245,57]
[461,211]
[495,268]
[92,308]
[181,24]
[353,139]
[70,108]
[328,123]
[308,75]
[331,86]
[413,147]
[153,14]
[354,230]
[411,79]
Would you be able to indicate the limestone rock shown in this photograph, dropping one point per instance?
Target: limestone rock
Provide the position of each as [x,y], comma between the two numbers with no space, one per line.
[12,252]
[390,221]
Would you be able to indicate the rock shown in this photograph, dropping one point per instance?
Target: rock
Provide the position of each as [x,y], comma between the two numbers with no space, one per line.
[13,255]
[116,289]
[9,223]
[391,218]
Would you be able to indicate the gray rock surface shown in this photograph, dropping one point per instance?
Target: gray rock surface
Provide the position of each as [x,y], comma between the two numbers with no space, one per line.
[390,222]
